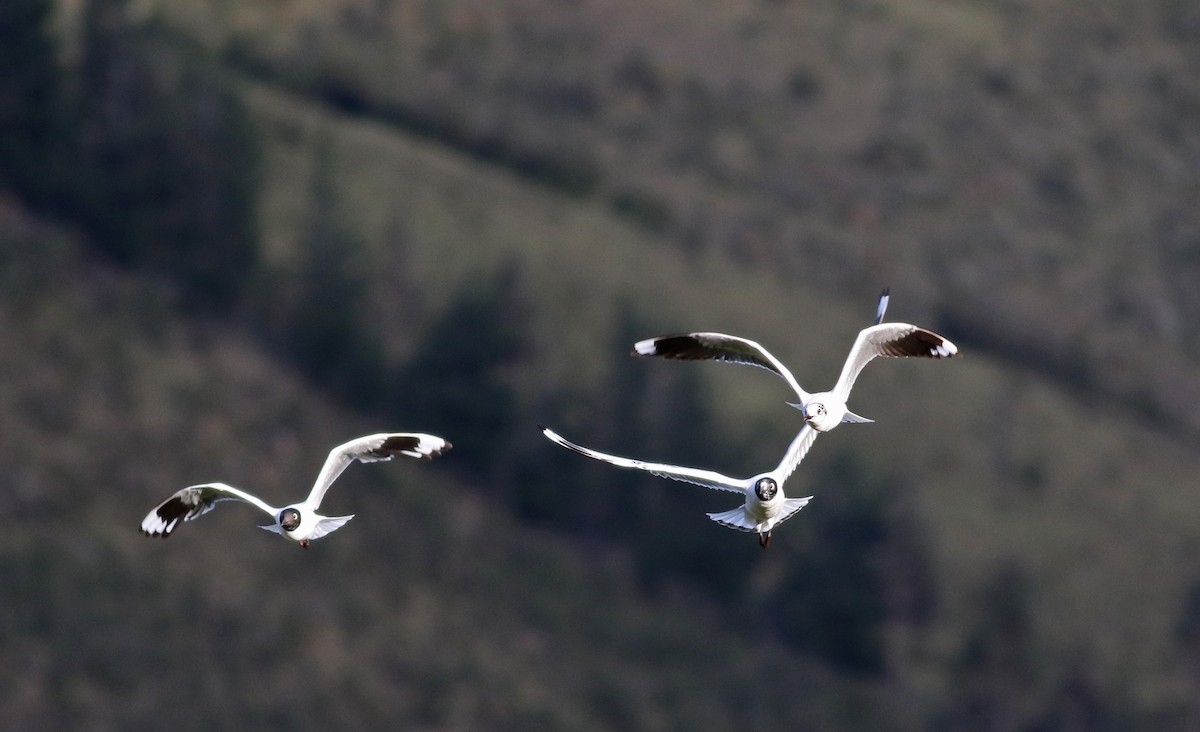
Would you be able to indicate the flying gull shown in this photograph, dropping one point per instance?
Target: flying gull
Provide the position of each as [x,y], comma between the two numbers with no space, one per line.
[299,522]
[765,507]
[823,410]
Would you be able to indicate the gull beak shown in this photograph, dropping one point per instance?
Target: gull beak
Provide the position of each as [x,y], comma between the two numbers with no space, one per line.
[802,409]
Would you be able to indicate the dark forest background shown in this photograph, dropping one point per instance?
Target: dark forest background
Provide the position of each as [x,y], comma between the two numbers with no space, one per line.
[233,235]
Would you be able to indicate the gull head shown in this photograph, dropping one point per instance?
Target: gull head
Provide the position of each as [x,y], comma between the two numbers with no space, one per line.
[818,413]
[765,489]
[289,519]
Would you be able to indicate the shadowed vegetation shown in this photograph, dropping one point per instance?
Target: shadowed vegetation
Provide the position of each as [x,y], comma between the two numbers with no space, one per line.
[232,235]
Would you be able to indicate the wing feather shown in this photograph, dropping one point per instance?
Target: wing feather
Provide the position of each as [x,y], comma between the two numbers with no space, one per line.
[894,340]
[194,501]
[706,478]
[717,347]
[796,451]
[373,448]
[883,303]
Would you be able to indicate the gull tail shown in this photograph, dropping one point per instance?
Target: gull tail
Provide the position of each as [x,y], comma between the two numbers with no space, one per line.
[790,507]
[329,524]
[735,519]
[853,418]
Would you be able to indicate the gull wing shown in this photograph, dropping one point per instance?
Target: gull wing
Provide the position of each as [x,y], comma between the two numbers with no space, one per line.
[717,347]
[894,340]
[193,501]
[373,448]
[796,452]
[883,303]
[706,478]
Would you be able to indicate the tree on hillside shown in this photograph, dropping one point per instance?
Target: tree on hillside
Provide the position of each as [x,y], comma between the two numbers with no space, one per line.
[832,604]
[1080,703]
[651,410]
[1187,649]
[602,496]
[658,411]
[167,172]
[456,382]
[32,114]
[997,676]
[329,329]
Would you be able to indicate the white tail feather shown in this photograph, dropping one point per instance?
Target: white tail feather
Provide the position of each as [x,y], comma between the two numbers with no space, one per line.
[329,524]
[853,418]
[790,507]
[735,519]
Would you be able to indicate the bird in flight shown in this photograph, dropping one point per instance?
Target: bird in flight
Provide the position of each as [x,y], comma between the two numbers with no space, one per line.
[299,522]
[765,507]
[823,410]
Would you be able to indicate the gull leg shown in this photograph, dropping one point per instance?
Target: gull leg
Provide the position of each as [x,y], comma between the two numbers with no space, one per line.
[304,544]
[764,540]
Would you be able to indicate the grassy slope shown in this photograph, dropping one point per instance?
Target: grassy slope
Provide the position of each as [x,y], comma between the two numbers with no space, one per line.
[1019,156]
[431,611]
[1104,525]
[1095,503]
[1095,506]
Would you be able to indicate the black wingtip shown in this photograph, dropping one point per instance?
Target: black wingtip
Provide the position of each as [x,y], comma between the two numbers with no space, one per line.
[881,308]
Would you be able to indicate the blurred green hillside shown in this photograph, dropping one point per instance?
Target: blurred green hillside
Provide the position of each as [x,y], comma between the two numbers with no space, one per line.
[233,235]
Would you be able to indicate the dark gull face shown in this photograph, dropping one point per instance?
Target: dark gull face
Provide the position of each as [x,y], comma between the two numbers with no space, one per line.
[289,519]
[765,489]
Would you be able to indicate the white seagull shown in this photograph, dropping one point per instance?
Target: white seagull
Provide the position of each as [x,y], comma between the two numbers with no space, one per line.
[823,410]
[299,522]
[766,505]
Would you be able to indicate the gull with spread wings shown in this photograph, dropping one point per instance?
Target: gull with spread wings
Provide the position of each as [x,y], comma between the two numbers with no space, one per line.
[765,506]
[299,522]
[823,410]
